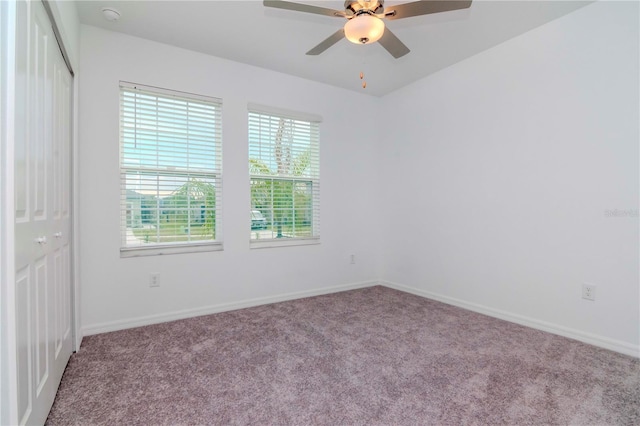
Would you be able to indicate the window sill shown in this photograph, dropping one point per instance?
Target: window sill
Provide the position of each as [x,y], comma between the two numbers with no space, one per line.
[283,242]
[169,249]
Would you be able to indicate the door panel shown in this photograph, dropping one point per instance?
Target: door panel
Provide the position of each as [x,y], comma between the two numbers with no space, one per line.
[21,148]
[39,125]
[42,227]
[40,321]
[23,283]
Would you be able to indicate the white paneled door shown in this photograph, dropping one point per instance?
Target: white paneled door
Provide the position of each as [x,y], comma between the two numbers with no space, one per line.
[42,213]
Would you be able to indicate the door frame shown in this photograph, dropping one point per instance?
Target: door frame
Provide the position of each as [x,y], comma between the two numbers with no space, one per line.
[8,342]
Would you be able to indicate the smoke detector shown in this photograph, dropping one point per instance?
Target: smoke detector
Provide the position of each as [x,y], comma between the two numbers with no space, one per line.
[110,14]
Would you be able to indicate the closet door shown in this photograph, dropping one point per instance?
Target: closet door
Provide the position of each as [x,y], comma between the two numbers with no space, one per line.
[42,213]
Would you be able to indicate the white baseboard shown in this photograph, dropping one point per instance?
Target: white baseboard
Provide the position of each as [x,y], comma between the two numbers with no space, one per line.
[213,309]
[592,339]
[78,340]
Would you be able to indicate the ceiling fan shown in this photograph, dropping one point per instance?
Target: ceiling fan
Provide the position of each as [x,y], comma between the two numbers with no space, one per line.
[365,23]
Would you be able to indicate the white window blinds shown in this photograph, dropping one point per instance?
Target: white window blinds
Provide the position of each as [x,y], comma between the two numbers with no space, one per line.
[170,168]
[284,166]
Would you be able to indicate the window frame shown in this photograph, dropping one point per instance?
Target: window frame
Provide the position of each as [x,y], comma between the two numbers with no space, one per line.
[178,172]
[313,179]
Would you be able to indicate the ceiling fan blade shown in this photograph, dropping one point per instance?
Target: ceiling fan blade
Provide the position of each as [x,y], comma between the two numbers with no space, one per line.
[393,44]
[424,7]
[327,43]
[299,7]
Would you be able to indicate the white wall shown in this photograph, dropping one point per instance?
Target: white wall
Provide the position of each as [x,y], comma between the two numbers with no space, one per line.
[115,291]
[504,166]
[499,172]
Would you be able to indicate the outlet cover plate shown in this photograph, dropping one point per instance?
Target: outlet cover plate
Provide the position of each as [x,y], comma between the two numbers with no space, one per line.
[154,280]
[589,291]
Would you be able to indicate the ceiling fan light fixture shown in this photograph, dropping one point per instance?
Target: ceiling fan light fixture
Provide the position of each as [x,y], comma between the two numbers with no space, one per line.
[364,29]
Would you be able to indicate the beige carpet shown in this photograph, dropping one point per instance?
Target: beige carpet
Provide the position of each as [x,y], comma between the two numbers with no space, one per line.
[371,356]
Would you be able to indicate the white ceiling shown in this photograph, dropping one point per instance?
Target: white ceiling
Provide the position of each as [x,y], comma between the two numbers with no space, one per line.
[248,32]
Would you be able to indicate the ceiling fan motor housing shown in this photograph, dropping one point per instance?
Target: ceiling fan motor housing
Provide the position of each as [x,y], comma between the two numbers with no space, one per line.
[357,7]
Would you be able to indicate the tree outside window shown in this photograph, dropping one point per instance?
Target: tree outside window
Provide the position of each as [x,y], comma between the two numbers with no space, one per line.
[284,170]
[170,165]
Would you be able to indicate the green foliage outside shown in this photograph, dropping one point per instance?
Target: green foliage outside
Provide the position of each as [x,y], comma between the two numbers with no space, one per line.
[287,203]
[189,214]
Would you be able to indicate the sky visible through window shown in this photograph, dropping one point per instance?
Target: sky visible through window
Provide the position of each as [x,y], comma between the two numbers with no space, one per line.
[167,134]
[171,149]
[278,144]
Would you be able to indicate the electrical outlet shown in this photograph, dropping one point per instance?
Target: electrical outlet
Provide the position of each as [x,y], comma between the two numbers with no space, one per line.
[154,280]
[588,291]
[353,259]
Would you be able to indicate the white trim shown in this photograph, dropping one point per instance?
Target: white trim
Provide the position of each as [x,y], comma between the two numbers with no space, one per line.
[592,339]
[63,32]
[57,34]
[75,222]
[170,249]
[171,93]
[222,307]
[8,338]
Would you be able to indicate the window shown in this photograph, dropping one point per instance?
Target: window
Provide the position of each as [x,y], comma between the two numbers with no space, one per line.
[284,167]
[170,171]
